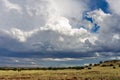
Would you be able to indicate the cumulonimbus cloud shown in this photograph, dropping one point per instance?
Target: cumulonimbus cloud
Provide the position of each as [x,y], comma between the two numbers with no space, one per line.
[50,25]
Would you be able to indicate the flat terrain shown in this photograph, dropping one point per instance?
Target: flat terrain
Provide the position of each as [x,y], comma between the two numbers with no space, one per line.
[111,72]
[96,73]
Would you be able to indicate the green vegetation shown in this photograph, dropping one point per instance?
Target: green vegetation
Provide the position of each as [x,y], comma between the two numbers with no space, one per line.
[110,71]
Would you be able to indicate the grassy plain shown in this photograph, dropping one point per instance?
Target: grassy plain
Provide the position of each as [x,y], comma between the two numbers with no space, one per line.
[95,73]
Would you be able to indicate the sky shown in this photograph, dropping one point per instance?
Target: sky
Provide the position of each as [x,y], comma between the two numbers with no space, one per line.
[56,33]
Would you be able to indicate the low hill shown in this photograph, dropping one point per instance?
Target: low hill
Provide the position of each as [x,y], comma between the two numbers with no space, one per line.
[114,63]
[110,63]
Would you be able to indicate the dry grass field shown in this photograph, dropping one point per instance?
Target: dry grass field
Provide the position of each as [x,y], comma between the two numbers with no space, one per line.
[94,73]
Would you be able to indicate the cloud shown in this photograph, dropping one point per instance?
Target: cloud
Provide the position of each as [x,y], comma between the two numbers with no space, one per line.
[11,6]
[57,25]
[57,30]
[60,59]
[114,6]
[18,62]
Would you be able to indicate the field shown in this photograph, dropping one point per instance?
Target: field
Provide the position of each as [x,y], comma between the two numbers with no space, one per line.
[93,73]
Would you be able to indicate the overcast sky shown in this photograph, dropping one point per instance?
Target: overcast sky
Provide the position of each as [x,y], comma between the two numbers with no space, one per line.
[58,32]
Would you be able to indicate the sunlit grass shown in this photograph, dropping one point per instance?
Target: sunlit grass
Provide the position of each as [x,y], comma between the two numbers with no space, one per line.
[96,73]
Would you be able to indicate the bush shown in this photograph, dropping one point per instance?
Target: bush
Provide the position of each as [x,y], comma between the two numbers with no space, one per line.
[100,62]
[119,65]
[96,64]
[114,67]
[111,65]
[90,64]
[19,70]
[79,68]
[14,69]
[86,78]
[89,68]
[104,65]
[82,67]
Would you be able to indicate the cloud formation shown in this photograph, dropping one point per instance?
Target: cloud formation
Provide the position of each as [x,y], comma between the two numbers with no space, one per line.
[58,30]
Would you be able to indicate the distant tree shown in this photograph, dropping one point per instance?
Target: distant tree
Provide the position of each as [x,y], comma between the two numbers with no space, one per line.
[69,67]
[90,64]
[79,68]
[2,68]
[86,66]
[89,68]
[101,62]
[103,65]
[82,67]
[14,69]
[114,67]
[96,64]
[111,65]
[19,70]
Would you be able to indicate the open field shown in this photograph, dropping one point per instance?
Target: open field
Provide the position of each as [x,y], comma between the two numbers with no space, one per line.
[88,73]
[96,73]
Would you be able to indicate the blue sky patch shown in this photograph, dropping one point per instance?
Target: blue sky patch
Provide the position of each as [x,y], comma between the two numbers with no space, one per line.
[99,4]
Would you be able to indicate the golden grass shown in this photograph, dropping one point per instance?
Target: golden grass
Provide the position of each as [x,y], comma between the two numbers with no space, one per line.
[96,73]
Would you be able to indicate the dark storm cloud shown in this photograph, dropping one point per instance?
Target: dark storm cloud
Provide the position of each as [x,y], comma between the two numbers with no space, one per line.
[58,30]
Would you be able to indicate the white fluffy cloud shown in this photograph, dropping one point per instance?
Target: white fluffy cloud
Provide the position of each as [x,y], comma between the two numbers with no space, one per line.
[57,31]
[50,25]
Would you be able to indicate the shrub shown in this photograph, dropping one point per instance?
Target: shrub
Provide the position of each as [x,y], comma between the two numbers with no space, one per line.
[82,67]
[100,62]
[14,69]
[86,78]
[111,65]
[114,67]
[79,68]
[104,65]
[119,65]
[89,68]
[19,70]
[96,64]
[90,64]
